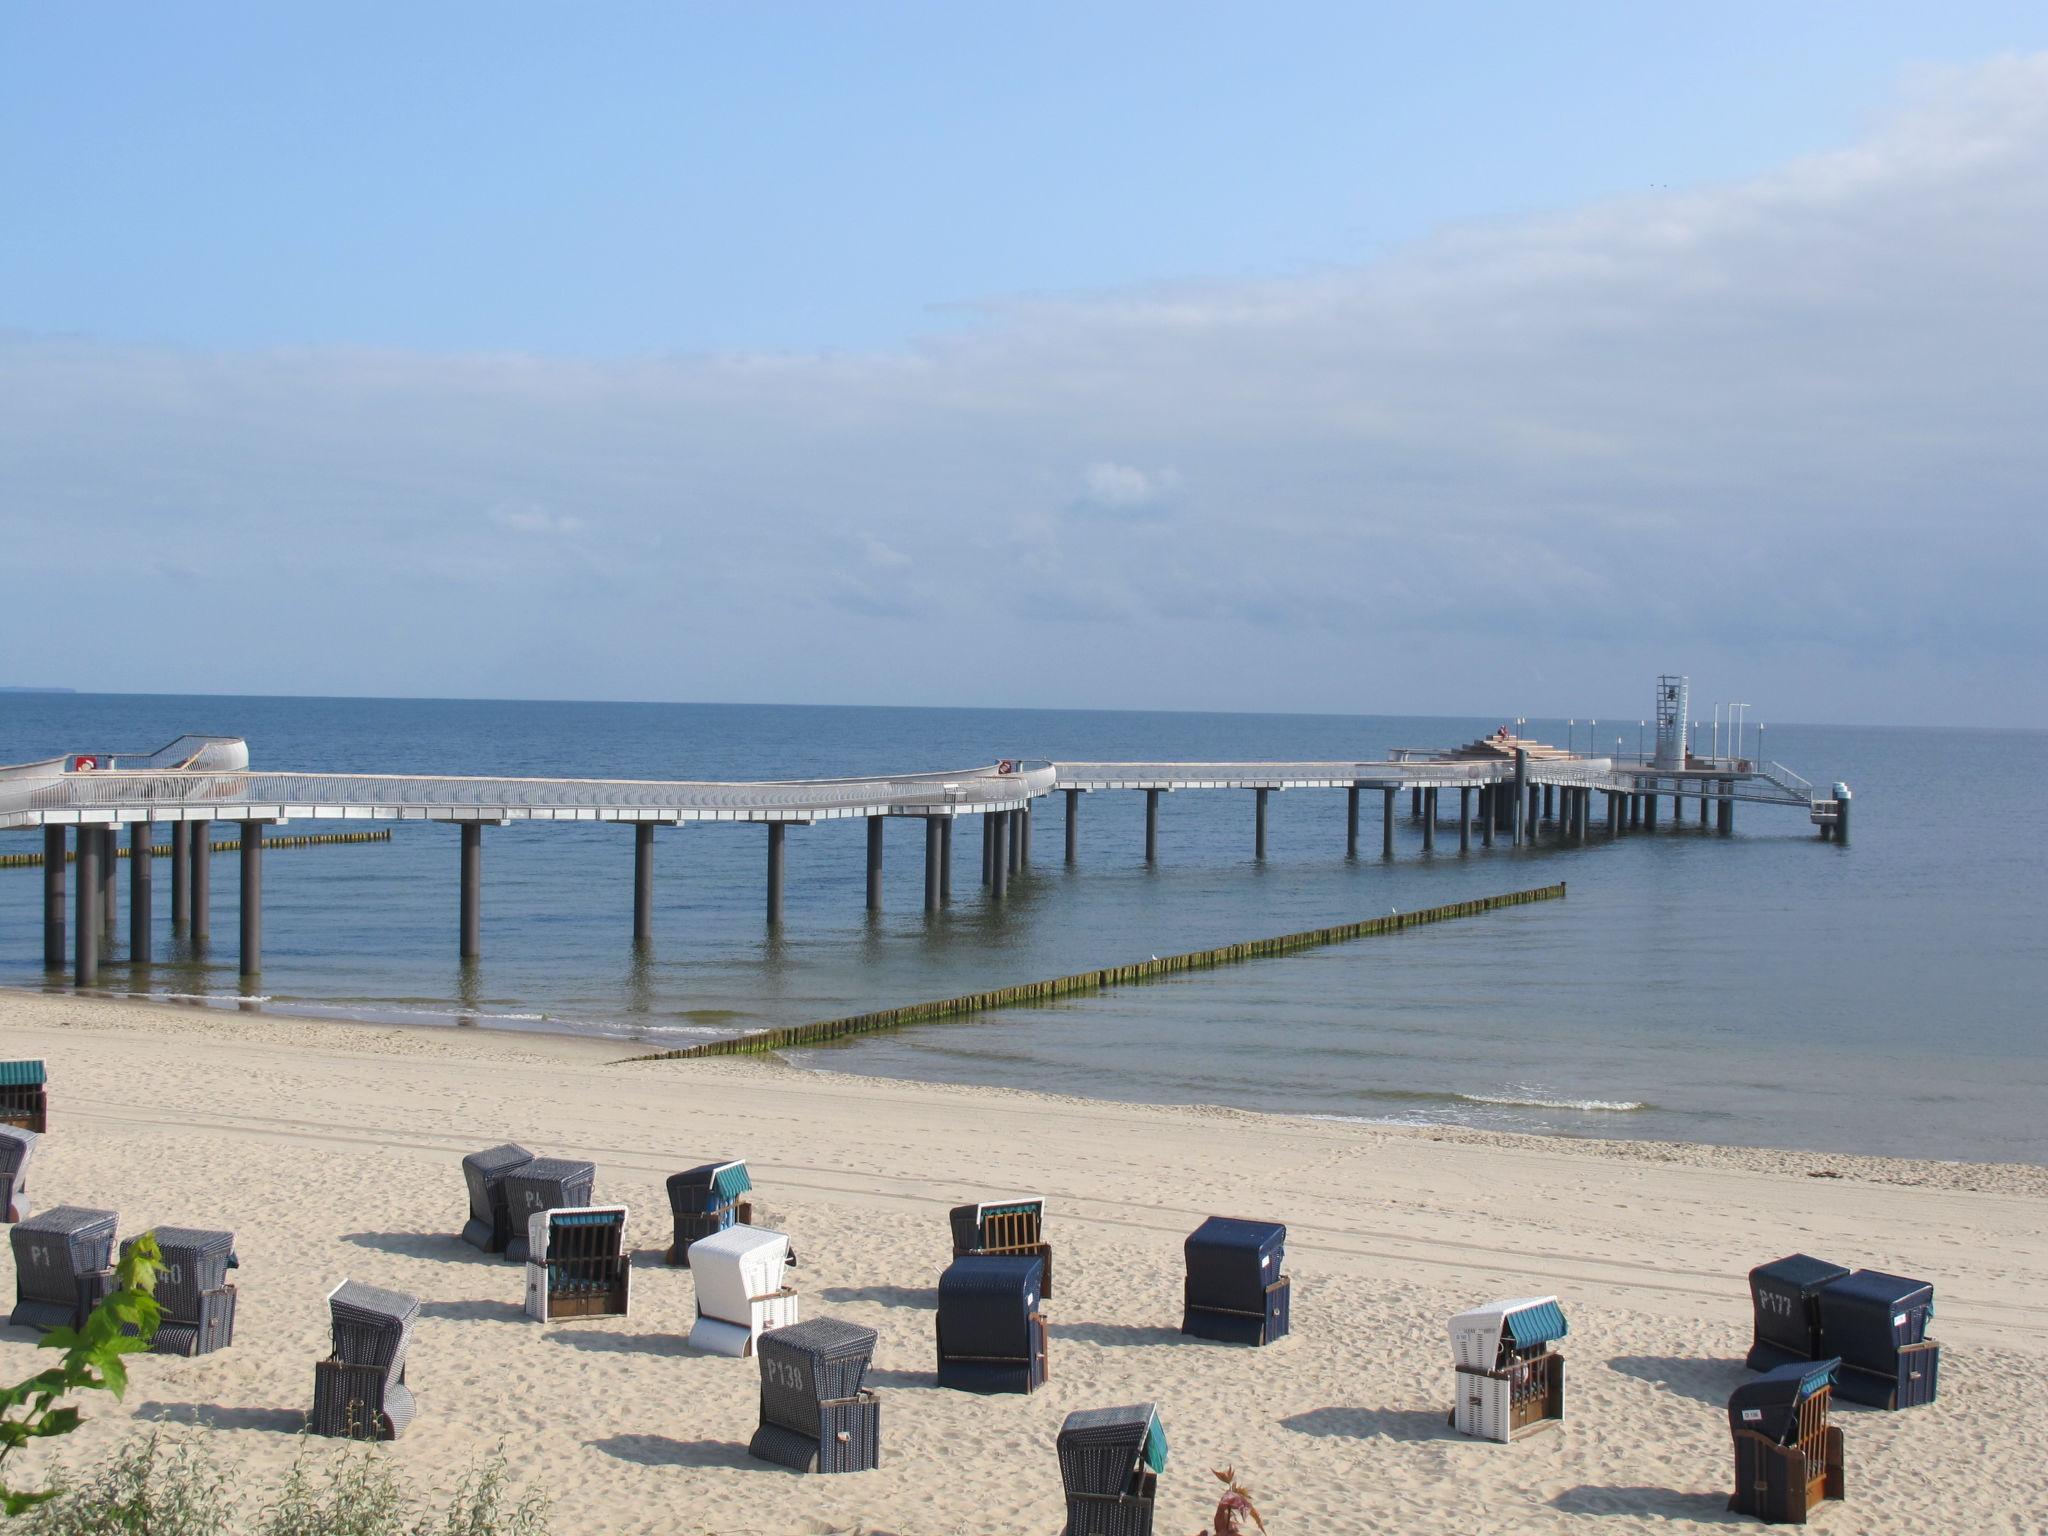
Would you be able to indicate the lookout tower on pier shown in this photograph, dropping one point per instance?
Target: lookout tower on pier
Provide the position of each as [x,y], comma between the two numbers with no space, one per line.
[1674,696]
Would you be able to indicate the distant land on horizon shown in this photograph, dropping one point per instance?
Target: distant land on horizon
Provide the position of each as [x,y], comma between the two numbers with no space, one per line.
[20,688]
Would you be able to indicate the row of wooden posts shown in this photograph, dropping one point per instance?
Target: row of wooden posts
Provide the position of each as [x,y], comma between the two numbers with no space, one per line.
[218,845]
[1098,980]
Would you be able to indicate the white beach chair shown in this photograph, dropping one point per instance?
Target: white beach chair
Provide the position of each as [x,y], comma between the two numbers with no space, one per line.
[741,1289]
[1508,1379]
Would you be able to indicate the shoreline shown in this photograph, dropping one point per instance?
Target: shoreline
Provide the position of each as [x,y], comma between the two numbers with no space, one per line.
[333,1153]
[1871,1167]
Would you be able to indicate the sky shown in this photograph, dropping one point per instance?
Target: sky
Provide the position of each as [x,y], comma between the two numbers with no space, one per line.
[1332,358]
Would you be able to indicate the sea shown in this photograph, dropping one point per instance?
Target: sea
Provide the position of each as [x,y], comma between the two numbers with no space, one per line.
[1763,989]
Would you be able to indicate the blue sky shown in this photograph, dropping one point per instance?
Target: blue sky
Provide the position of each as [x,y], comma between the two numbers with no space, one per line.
[536,348]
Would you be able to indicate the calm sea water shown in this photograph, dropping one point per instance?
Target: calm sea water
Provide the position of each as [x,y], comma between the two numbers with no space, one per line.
[1765,989]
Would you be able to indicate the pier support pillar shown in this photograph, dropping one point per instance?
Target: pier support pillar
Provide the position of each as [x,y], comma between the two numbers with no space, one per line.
[643,882]
[988,843]
[1725,821]
[1650,812]
[1351,822]
[1487,792]
[1522,828]
[1151,826]
[999,854]
[1465,819]
[777,831]
[1584,803]
[252,894]
[1259,822]
[472,892]
[53,898]
[1415,801]
[202,883]
[110,905]
[932,835]
[181,878]
[1549,802]
[1014,832]
[1703,805]
[945,860]
[140,859]
[85,960]
[1635,810]
[1073,809]
[1841,821]
[931,859]
[1428,820]
[1387,822]
[1024,826]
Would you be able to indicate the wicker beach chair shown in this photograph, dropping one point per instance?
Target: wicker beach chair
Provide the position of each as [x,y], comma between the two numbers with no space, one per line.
[545,1184]
[359,1391]
[63,1266]
[1876,1324]
[1788,1458]
[742,1292]
[1509,1380]
[815,1416]
[1785,1297]
[1235,1292]
[24,1095]
[991,1333]
[193,1290]
[16,1148]
[706,1199]
[1110,1461]
[1010,1227]
[579,1266]
[490,1221]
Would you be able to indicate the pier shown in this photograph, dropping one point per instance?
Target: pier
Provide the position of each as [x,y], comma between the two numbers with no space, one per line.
[1501,788]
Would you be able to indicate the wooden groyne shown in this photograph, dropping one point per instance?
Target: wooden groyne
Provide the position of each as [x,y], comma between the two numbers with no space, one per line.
[1097,981]
[220,845]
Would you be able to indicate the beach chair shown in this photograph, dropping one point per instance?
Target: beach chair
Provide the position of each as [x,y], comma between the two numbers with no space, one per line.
[1235,1292]
[1788,1458]
[1110,1461]
[578,1264]
[545,1184]
[63,1266]
[742,1292]
[1509,1381]
[359,1391]
[490,1220]
[16,1148]
[1785,1296]
[991,1333]
[706,1199]
[24,1096]
[1010,1227]
[1876,1324]
[192,1288]
[815,1416]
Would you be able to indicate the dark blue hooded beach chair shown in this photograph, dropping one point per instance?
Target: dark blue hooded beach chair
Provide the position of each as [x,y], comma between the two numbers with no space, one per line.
[545,1184]
[1788,1458]
[1785,1297]
[1110,1461]
[490,1220]
[815,1416]
[704,1201]
[1877,1324]
[991,1333]
[1235,1292]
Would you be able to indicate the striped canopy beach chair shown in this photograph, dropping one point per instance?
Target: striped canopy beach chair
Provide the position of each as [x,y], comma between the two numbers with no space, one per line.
[16,1148]
[193,1290]
[991,1333]
[578,1266]
[706,1199]
[63,1266]
[815,1416]
[24,1095]
[742,1292]
[1013,1227]
[359,1391]
[1235,1292]
[1508,1380]
[1788,1458]
[490,1219]
[1110,1461]
[545,1184]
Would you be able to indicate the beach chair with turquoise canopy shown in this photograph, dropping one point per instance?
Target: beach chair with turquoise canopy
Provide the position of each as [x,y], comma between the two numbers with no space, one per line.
[704,1201]
[1110,1462]
[1508,1380]
[1788,1458]
[24,1095]
[1014,1227]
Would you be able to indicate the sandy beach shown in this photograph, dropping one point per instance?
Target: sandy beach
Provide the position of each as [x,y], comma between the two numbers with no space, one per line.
[332,1150]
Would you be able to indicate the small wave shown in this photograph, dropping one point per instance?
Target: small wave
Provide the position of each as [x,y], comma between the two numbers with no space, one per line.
[202,997]
[1517,1101]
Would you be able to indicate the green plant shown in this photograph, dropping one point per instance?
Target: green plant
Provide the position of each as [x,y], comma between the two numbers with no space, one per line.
[148,1487]
[123,1324]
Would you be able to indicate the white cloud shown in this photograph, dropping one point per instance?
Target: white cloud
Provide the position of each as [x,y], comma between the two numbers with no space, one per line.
[1784,431]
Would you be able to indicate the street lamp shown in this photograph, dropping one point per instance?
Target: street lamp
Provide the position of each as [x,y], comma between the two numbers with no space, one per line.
[1568,726]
